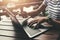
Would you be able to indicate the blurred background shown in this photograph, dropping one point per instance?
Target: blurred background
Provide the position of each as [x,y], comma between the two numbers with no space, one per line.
[18,6]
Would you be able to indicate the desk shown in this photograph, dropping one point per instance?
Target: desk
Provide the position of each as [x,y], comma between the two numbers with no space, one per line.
[15,32]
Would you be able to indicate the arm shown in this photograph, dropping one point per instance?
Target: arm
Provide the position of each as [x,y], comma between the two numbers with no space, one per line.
[38,10]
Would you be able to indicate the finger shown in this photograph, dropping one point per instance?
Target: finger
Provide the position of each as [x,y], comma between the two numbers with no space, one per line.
[31,24]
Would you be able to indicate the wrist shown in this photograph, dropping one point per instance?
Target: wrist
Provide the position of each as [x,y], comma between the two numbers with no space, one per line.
[46,18]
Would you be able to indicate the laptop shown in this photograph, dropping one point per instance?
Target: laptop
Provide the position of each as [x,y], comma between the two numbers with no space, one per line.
[30,31]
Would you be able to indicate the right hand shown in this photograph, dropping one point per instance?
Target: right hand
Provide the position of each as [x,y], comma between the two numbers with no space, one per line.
[36,20]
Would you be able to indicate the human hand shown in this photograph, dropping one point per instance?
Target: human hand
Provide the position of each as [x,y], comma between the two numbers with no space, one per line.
[35,20]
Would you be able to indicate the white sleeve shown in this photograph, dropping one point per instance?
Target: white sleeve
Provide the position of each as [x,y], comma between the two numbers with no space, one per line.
[45,2]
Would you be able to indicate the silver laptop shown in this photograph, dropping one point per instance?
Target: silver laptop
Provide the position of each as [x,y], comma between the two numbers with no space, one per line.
[32,32]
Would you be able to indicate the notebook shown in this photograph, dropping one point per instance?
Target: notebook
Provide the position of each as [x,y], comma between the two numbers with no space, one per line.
[30,31]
